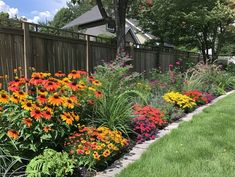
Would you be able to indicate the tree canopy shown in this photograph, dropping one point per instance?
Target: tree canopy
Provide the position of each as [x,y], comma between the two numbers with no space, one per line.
[202,24]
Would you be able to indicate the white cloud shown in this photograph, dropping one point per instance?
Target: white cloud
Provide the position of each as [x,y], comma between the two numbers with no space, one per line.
[10,10]
[42,16]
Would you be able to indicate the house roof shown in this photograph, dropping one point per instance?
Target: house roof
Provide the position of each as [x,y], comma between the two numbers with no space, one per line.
[88,17]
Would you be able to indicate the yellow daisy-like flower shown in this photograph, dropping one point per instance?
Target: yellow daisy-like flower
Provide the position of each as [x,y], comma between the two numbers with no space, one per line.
[28,105]
[96,83]
[68,103]
[92,89]
[106,153]
[56,100]
[67,117]
[20,95]
[4,98]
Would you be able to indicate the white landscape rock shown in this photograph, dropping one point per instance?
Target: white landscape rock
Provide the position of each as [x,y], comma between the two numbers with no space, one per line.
[139,149]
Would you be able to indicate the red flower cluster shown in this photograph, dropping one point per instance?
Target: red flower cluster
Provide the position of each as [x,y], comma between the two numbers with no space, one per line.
[145,129]
[154,115]
[199,97]
[145,125]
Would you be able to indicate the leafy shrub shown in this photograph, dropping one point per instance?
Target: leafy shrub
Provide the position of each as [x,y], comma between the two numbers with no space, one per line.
[95,146]
[51,163]
[182,101]
[42,111]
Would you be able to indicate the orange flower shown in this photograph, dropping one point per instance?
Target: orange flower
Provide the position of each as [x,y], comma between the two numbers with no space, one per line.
[67,117]
[51,86]
[96,83]
[14,99]
[98,94]
[75,116]
[68,103]
[106,153]
[74,74]
[4,98]
[42,98]
[46,129]
[20,95]
[47,115]
[96,155]
[59,74]
[37,79]
[36,113]
[55,100]
[73,86]
[13,134]
[28,122]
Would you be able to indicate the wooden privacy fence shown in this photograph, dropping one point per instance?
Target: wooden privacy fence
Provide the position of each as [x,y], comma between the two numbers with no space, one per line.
[49,49]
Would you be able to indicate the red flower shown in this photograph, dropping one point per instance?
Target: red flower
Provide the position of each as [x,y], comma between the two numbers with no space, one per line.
[42,98]
[36,114]
[60,74]
[98,94]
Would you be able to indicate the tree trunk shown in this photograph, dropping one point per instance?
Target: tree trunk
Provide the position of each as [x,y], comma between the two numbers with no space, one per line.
[120,19]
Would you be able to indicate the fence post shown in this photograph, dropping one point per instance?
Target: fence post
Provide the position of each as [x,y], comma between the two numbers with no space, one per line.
[87,53]
[25,27]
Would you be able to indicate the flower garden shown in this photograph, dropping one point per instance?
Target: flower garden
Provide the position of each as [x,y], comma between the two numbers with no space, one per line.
[76,124]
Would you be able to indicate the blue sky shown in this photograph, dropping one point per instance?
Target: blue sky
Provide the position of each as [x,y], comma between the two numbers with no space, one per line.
[33,10]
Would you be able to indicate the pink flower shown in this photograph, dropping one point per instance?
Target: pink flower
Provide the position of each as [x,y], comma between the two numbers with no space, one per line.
[171,66]
[178,62]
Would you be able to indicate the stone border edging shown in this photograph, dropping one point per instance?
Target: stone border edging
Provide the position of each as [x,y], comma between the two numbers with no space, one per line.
[139,149]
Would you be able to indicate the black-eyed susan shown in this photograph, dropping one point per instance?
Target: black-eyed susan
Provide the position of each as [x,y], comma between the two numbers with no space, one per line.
[47,115]
[46,129]
[56,100]
[75,116]
[96,83]
[98,94]
[14,99]
[27,121]
[4,98]
[51,86]
[42,98]
[106,153]
[74,75]
[68,103]
[36,114]
[73,86]
[60,74]
[20,95]
[13,134]
[67,117]
[96,155]
[92,89]
[42,91]
[28,105]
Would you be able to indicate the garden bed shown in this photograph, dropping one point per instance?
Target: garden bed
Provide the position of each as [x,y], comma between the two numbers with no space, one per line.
[77,124]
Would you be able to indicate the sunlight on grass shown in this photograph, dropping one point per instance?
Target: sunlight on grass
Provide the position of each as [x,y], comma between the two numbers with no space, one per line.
[204,147]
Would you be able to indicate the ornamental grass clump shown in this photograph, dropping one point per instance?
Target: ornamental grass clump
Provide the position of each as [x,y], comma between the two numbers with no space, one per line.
[95,146]
[41,111]
[180,100]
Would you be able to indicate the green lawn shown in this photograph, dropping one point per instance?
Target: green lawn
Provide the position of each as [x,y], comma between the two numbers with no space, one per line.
[203,147]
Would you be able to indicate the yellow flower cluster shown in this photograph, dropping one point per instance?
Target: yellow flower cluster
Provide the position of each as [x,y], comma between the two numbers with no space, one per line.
[180,100]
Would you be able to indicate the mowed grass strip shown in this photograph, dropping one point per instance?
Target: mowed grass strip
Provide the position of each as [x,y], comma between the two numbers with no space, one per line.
[203,147]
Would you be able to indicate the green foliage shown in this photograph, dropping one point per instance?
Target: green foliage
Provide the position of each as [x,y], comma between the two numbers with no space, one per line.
[198,24]
[209,78]
[50,163]
[10,164]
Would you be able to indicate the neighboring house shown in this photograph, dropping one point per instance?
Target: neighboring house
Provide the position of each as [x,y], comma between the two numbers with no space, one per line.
[93,23]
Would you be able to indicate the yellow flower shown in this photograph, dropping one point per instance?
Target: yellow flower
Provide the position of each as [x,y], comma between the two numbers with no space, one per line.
[106,153]
[87,152]
[28,105]
[4,98]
